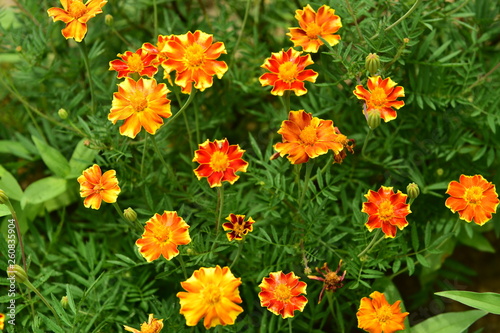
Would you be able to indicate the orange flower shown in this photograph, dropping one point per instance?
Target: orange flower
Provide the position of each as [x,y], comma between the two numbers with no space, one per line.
[376,315]
[305,136]
[193,57]
[331,280]
[162,234]
[219,162]
[141,104]
[281,293]
[76,14]
[312,26]
[288,72]
[157,49]
[96,187]
[151,326]
[2,319]
[473,197]
[212,293]
[139,62]
[348,144]
[381,96]
[238,226]
[386,210]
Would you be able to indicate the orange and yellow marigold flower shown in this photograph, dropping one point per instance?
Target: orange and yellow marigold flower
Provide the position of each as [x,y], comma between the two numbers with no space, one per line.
[139,62]
[282,293]
[287,72]
[76,15]
[212,293]
[238,226]
[219,162]
[141,103]
[473,197]
[151,326]
[96,187]
[193,57]
[376,315]
[305,137]
[313,25]
[162,234]
[386,210]
[2,319]
[381,95]
[157,50]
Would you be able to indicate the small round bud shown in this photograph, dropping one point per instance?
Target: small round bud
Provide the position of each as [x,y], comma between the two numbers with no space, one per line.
[412,190]
[3,197]
[374,119]
[19,48]
[19,273]
[307,271]
[440,172]
[63,114]
[130,214]
[406,40]
[109,20]
[372,63]
[64,302]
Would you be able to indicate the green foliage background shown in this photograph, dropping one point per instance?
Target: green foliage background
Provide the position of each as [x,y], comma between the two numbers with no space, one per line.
[448,127]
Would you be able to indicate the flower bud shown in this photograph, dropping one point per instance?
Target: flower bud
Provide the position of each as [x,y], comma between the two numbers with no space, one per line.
[374,118]
[412,190]
[130,214]
[3,197]
[372,63]
[19,273]
[109,20]
[406,40]
[63,114]
[64,302]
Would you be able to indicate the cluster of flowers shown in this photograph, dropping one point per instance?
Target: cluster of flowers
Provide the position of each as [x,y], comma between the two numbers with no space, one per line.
[212,293]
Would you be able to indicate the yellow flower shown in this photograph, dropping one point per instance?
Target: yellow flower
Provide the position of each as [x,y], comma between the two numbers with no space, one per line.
[151,326]
[96,187]
[376,315]
[212,293]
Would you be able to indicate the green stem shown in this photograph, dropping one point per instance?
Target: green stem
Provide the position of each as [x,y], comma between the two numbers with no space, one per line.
[85,54]
[290,325]
[184,107]
[18,230]
[218,213]
[415,5]
[188,133]
[286,101]
[363,151]
[32,287]
[155,18]
[183,265]
[144,154]
[157,151]
[240,34]
[309,167]
[329,296]
[375,240]
[240,248]
[351,12]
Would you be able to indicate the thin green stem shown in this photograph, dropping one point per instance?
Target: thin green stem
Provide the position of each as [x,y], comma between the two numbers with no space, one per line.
[85,54]
[157,151]
[183,265]
[144,149]
[351,12]
[240,34]
[365,144]
[218,213]
[296,169]
[240,248]
[329,296]
[184,107]
[290,325]
[18,230]
[32,288]
[286,101]
[188,132]
[375,240]
[309,167]
[415,5]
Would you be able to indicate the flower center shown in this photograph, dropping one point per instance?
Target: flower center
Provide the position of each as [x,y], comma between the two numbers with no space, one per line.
[379,97]
[162,234]
[288,72]
[219,161]
[211,294]
[331,280]
[98,188]
[195,56]
[150,328]
[239,228]
[313,30]
[474,194]
[308,135]
[385,210]
[134,63]
[384,314]
[138,101]
[76,9]
[282,293]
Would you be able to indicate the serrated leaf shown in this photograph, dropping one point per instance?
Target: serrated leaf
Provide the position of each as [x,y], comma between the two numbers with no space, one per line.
[452,322]
[52,158]
[487,301]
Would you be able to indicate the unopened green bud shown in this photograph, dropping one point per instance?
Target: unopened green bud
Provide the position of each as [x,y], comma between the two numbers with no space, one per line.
[372,63]
[64,302]
[412,190]
[63,114]
[108,19]
[19,273]
[130,214]
[3,197]
[374,118]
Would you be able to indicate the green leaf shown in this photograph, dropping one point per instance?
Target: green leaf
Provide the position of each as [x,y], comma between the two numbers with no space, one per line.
[43,190]
[4,211]
[54,160]
[81,159]
[452,322]
[15,148]
[9,184]
[489,302]
[422,260]
[477,241]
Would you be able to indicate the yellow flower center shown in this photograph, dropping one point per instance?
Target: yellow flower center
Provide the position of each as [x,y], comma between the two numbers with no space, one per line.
[163,234]
[219,161]
[134,63]
[98,188]
[195,56]
[308,135]
[212,294]
[384,314]
[313,30]
[154,327]
[331,280]
[385,210]
[474,194]
[239,228]
[76,9]
[379,97]
[288,72]
[138,101]
[283,293]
